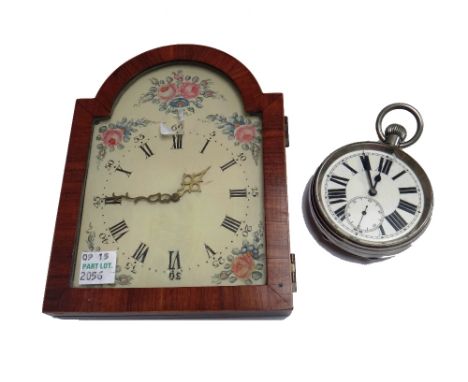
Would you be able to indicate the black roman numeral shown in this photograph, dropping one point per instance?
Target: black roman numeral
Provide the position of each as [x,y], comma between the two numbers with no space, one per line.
[407,206]
[399,174]
[204,146]
[113,199]
[225,166]
[337,194]
[231,224]
[209,251]
[385,165]
[177,141]
[365,162]
[340,212]
[396,221]
[382,231]
[174,260]
[118,230]
[349,168]
[238,193]
[120,169]
[339,180]
[146,149]
[141,252]
[408,190]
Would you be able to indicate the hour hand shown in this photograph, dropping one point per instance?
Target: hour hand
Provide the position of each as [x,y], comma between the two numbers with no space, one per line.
[191,182]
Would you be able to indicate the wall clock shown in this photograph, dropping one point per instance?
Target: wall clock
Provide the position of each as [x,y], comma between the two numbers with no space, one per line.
[174,195]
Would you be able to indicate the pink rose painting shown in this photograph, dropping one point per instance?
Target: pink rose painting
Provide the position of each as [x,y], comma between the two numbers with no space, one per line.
[189,90]
[179,93]
[167,92]
[243,266]
[114,135]
[246,265]
[244,131]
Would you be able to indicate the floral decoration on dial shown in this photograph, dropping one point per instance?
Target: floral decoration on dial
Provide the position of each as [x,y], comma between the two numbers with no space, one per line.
[113,136]
[242,130]
[246,264]
[179,93]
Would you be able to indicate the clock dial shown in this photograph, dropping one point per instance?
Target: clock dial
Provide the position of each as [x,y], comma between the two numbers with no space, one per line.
[175,184]
[371,196]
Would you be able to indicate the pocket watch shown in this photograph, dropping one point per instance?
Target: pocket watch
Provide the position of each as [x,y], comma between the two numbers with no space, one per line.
[371,199]
[169,174]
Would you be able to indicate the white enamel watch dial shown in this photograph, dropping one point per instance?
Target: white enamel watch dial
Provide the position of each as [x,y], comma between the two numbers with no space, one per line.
[379,212]
[372,199]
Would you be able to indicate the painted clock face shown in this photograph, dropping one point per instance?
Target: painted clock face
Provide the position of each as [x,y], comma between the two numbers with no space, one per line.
[175,184]
[372,196]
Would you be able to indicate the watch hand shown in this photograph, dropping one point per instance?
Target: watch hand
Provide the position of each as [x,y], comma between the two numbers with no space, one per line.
[367,168]
[190,183]
[377,179]
[364,213]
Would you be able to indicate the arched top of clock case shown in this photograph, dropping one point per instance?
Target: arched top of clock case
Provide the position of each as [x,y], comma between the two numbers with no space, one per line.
[243,79]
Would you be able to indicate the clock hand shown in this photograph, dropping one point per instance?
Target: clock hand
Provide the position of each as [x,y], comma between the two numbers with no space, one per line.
[153,198]
[190,183]
[377,179]
[367,168]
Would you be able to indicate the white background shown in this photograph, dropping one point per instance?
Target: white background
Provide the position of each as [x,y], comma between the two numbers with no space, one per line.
[337,63]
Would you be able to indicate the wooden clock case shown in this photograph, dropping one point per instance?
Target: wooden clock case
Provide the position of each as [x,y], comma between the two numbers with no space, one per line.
[272,299]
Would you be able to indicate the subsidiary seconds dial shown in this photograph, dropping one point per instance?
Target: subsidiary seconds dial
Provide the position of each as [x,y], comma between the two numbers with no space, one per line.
[365,214]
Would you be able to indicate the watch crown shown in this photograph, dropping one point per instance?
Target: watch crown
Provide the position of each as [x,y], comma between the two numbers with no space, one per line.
[395,134]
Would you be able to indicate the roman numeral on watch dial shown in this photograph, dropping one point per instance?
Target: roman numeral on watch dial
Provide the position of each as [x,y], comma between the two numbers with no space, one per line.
[399,174]
[231,224]
[340,212]
[385,165]
[338,195]
[382,230]
[349,168]
[118,230]
[339,180]
[396,221]
[141,252]
[407,206]
[408,190]
[365,162]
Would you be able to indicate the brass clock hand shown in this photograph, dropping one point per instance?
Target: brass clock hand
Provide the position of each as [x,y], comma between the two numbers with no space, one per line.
[190,183]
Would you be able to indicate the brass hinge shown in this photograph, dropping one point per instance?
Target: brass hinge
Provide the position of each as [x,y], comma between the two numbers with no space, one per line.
[293,272]
[286,132]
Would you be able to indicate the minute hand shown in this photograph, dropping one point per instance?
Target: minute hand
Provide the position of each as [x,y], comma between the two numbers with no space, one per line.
[367,168]
[190,183]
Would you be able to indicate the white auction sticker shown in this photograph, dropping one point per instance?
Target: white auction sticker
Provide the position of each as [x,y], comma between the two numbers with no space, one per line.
[97,267]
